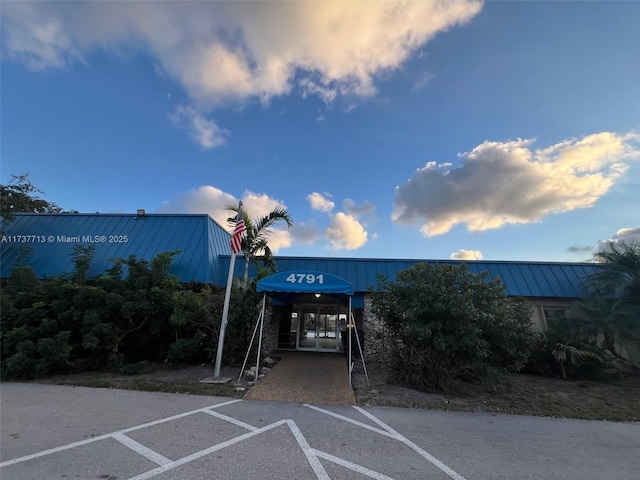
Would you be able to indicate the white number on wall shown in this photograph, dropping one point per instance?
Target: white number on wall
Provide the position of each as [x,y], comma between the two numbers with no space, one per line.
[305,278]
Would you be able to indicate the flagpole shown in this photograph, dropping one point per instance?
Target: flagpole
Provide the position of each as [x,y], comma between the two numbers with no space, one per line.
[225,314]
[236,239]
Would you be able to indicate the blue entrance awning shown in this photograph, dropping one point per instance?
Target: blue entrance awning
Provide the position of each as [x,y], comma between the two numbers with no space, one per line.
[296,284]
[305,281]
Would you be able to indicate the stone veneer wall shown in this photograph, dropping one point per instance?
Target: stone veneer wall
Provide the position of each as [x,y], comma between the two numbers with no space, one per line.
[269,332]
[376,339]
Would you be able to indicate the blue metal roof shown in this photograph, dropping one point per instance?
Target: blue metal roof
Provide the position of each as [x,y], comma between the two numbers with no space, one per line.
[205,253]
[49,239]
[527,279]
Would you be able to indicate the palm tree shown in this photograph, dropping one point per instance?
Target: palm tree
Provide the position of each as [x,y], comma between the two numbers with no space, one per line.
[563,352]
[613,310]
[620,275]
[254,244]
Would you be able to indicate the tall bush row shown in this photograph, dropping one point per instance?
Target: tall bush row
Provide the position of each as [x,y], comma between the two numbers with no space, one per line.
[133,312]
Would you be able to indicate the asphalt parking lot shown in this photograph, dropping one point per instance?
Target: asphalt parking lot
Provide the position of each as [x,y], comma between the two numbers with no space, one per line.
[61,432]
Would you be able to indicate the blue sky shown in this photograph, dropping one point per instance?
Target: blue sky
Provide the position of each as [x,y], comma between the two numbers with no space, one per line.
[497,130]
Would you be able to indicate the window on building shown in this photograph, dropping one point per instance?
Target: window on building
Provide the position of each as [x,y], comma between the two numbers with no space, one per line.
[552,314]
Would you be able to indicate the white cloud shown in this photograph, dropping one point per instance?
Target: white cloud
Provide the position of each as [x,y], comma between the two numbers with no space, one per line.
[309,88]
[345,232]
[213,201]
[500,183]
[260,204]
[223,52]
[204,199]
[205,132]
[320,202]
[463,254]
[279,239]
[422,81]
[36,38]
[627,235]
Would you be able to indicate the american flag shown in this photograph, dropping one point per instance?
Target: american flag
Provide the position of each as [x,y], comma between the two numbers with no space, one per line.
[238,232]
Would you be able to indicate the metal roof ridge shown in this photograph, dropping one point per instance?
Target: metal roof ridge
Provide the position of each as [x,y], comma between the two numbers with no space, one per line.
[441,260]
[118,214]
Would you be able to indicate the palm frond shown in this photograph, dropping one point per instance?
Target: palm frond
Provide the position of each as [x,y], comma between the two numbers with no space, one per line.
[255,241]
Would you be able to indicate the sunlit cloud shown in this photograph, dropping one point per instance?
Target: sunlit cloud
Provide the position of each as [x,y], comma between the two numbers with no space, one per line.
[345,232]
[500,183]
[226,54]
[627,235]
[279,239]
[259,204]
[320,202]
[467,255]
[223,52]
[205,199]
[214,202]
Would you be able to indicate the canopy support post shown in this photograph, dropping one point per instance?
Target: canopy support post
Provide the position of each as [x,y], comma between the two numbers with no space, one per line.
[264,303]
[364,366]
[246,357]
[350,327]
[225,314]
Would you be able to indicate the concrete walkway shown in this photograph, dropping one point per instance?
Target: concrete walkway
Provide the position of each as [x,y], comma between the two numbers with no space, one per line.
[306,377]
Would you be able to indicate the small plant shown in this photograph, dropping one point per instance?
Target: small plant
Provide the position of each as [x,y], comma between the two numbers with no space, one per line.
[564,352]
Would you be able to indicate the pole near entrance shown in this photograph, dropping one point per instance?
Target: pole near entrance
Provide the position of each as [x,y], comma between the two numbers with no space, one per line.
[225,315]
[236,246]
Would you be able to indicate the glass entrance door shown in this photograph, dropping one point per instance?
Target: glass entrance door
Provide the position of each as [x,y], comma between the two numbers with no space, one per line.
[318,328]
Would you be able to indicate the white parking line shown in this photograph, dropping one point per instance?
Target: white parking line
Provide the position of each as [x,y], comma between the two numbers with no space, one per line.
[315,464]
[308,452]
[350,420]
[226,418]
[110,435]
[390,432]
[427,456]
[205,452]
[352,466]
[312,455]
[155,457]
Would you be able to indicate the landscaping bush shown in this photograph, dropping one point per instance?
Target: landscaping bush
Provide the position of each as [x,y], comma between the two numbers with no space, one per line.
[567,350]
[134,312]
[446,323]
[186,350]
